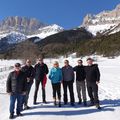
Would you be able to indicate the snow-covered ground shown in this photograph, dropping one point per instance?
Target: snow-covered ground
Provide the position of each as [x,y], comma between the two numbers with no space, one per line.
[109,94]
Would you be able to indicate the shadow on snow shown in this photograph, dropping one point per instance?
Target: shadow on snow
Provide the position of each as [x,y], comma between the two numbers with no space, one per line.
[107,105]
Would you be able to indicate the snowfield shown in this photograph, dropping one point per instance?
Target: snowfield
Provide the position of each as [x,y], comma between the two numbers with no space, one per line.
[109,94]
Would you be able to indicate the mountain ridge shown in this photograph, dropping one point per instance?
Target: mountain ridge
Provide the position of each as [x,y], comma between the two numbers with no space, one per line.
[103,21]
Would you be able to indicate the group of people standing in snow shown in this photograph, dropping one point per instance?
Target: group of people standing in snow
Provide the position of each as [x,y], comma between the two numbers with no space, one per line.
[20,81]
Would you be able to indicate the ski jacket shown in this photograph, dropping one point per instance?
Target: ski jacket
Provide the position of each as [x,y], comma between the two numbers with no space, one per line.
[16,83]
[92,73]
[55,75]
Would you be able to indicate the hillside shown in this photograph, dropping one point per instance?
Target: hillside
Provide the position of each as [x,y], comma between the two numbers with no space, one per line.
[64,43]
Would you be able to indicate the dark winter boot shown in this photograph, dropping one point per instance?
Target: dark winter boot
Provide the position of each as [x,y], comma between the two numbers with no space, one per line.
[34,103]
[65,103]
[26,107]
[79,102]
[72,104]
[44,101]
[19,114]
[98,106]
[11,116]
[59,104]
[55,101]
[85,103]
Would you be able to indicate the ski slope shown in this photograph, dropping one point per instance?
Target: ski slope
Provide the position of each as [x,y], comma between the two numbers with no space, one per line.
[109,94]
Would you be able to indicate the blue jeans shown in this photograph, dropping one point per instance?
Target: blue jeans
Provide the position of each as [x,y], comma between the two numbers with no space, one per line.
[13,99]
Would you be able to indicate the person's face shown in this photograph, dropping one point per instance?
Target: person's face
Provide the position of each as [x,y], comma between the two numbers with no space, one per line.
[56,65]
[79,62]
[28,63]
[90,62]
[40,61]
[66,63]
[17,68]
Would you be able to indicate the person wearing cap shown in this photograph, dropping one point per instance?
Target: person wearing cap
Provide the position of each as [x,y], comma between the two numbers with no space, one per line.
[16,88]
[30,73]
[80,82]
[41,70]
[56,77]
[92,79]
[68,80]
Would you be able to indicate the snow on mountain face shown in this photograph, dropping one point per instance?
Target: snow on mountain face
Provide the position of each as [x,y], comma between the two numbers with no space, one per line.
[104,22]
[15,37]
[17,29]
[47,31]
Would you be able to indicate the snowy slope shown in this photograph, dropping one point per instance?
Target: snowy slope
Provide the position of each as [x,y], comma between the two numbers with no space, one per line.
[109,93]
[17,37]
[13,37]
[17,29]
[94,29]
[47,31]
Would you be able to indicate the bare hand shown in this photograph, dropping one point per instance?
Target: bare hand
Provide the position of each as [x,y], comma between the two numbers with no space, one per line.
[97,82]
[10,93]
[28,79]
[24,93]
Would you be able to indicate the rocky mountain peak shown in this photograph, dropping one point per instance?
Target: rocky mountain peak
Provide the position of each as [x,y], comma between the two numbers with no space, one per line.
[105,20]
[22,24]
[118,7]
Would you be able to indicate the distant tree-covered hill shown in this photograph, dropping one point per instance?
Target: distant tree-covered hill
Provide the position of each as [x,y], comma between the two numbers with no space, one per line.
[66,42]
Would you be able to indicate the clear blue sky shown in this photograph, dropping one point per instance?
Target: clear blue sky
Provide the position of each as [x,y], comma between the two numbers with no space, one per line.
[66,13]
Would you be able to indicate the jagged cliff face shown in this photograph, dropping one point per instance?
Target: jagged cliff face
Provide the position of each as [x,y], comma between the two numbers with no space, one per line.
[106,21]
[17,29]
[14,30]
[20,24]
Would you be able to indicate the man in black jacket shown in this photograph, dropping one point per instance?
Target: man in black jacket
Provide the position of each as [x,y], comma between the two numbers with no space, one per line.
[80,82]
[30,73]
[92,79]
[41,70]
[16,88]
